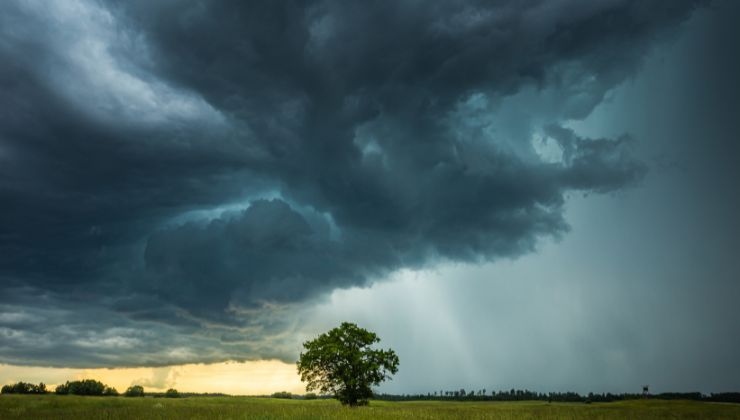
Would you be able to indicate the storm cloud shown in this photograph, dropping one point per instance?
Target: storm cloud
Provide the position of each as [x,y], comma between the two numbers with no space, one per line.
[196,172]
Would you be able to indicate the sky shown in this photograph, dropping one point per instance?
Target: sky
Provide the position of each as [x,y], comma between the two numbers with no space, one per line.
[514,194]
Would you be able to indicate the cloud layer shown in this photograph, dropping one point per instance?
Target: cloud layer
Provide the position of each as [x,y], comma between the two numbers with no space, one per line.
[179,179]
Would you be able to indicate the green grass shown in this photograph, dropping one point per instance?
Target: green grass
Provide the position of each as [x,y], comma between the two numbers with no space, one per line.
[73,407]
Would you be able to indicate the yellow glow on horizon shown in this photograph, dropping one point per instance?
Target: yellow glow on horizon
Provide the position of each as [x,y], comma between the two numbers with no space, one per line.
[236,378]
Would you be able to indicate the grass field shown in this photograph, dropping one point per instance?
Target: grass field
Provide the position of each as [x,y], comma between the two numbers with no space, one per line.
[73,407]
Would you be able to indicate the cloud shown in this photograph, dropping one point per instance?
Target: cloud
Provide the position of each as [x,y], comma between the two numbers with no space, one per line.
[57,331]
[205,169]
[266,253]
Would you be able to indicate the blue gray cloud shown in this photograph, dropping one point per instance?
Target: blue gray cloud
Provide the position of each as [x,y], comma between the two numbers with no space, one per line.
[205,169]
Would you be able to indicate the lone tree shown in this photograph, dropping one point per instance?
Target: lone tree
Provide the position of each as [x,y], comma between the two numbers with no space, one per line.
[341,362]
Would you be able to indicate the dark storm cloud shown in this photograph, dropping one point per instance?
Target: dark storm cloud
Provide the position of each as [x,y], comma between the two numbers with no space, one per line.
[49,329]
[185,164]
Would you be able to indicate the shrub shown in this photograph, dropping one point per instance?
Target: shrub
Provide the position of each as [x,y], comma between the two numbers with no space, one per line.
[172,393]
[135,391]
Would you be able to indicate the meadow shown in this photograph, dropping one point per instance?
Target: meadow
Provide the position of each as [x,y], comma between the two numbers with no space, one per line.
[60,407]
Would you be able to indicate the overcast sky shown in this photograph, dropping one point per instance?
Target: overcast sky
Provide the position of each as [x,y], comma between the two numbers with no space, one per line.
[536,194]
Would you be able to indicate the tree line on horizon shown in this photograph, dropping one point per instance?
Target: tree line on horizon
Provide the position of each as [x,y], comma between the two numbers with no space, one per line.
[90,387]
[527,395]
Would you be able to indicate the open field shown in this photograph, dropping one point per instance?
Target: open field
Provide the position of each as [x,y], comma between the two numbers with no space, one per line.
[73,407]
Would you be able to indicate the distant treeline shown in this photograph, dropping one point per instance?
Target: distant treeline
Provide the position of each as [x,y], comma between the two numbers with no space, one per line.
[24,388]
[526,395]
[92,387]
[83,387]
[289,396]
[97,388]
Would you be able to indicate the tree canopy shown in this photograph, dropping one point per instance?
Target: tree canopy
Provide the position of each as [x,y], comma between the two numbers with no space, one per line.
[134,391]
[342,363]
[84,387]
[24,388]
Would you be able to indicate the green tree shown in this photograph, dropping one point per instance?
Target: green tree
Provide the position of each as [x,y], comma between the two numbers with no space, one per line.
[110,391]
[24,388]
[172,393]
[62,389]
[83,387]
[342,363]
[134,391]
